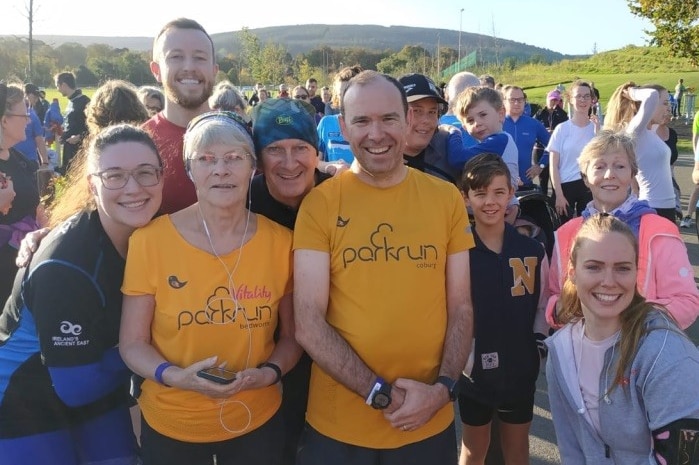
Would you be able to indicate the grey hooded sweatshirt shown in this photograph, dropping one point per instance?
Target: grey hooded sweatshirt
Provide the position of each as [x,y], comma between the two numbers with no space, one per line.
[661,386]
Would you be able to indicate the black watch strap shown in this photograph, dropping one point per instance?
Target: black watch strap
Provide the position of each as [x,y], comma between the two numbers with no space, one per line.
[450,384]
[380,396]
[275,367]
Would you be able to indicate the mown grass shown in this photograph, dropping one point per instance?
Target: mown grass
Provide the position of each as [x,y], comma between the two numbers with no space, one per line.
[607,70]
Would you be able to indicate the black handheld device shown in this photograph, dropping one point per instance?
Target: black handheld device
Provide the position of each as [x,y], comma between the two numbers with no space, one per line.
[217,375]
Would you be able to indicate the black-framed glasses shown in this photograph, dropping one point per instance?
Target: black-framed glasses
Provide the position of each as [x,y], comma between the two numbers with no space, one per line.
[301,97]
[116,178]
[516,99]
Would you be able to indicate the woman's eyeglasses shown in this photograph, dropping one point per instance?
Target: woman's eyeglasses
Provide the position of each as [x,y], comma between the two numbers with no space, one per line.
[115,178]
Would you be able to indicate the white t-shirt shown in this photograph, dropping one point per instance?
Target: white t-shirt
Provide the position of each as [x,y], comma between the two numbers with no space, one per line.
[652,153]
[589,361]
[568,140]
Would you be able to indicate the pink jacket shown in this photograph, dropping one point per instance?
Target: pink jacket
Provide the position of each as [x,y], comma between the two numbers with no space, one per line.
[665,275]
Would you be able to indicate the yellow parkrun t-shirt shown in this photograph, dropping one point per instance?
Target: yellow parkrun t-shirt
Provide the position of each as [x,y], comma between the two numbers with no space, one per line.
[388,250]
[195,318]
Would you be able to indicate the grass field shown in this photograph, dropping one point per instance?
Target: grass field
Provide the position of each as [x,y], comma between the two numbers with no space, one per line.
[539,80]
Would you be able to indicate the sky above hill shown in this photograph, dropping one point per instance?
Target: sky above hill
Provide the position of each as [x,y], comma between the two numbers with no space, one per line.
[565,26]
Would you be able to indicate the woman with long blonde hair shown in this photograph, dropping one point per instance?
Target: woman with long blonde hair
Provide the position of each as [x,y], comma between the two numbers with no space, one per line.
[613,368]
[637,110]
[65,395]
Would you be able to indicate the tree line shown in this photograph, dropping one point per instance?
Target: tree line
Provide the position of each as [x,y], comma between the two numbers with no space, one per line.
[269,62]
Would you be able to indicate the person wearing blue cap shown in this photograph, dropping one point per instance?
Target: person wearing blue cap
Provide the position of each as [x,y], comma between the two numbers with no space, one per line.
[286,142]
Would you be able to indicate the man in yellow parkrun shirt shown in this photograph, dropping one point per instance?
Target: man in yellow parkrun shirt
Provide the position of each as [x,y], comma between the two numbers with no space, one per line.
[382,297]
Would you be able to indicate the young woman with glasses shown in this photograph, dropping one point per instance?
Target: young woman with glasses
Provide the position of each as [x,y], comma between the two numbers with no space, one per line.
[65,399]
[570,193]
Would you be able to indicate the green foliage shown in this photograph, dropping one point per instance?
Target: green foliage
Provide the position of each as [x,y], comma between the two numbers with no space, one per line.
[675,25]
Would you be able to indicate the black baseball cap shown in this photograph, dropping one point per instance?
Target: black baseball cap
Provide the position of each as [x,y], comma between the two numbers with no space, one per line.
[31,89]
[419,86]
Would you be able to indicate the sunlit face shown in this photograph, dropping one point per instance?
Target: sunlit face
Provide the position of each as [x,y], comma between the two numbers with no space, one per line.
[605,277]
[375,125]
[312,87]
[662,111]
[153,105]
[514,103]
[185,66]
[482,120]
[609,178]
[300,94]
[133,205]
[221,174]
[581,98]
[63,88]
[14,123]
[424,122]
[289,167]
[327,95]
[489,204]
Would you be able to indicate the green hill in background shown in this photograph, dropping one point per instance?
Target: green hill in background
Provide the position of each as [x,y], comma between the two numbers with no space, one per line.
[303,38]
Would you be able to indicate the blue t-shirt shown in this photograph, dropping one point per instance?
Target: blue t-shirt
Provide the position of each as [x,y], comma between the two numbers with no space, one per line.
[28,145]
[331,142]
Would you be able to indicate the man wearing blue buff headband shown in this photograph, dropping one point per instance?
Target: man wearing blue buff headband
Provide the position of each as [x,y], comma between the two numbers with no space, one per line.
[286,139]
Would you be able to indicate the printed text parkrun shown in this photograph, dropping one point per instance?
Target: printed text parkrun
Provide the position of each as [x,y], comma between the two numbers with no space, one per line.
[380,249]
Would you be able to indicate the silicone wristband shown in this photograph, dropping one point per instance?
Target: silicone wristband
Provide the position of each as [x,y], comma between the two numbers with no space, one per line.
[159,372]
[274,367]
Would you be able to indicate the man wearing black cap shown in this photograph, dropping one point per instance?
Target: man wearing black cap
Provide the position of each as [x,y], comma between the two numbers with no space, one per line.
[38,103]
[427,141]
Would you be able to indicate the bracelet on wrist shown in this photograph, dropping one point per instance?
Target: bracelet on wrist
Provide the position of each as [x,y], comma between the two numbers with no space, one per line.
[275,367]
[159,373]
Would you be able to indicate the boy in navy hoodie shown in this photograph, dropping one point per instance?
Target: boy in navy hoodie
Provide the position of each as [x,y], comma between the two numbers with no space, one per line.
[508,283]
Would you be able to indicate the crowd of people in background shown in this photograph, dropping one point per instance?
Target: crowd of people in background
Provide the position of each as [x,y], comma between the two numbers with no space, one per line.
[214,277]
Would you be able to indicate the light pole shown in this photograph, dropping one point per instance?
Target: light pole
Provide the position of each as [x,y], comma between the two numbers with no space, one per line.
[461,16]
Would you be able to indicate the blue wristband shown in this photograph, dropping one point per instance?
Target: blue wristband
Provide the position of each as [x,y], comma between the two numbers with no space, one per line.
[159,372]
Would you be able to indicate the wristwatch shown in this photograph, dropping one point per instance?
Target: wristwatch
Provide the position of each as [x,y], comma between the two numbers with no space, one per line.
[542,166]
[451,385]
[380,395]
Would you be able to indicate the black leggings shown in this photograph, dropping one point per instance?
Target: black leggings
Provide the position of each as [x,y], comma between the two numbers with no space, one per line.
[262,446]
[669,213]
[578,196]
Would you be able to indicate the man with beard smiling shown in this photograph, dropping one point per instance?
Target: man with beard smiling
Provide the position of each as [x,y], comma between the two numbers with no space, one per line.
[427,141]
[184,62]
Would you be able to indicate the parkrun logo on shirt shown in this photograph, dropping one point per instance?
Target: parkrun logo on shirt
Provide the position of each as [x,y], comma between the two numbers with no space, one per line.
[382,246]
[221,309]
